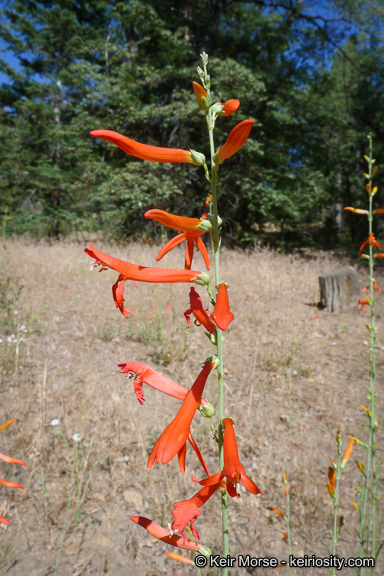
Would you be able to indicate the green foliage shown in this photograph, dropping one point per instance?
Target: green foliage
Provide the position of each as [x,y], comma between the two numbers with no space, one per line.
[314,91]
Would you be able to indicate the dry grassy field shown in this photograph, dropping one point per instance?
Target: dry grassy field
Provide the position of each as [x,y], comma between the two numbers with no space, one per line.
[291,380]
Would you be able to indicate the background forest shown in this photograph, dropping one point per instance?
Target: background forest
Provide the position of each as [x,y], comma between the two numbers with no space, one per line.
[311,75]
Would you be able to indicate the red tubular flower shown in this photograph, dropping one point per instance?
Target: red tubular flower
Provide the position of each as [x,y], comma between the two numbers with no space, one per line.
[164,535]
[180,223]
[192,229]
[4,521]
[375,287]
[182,559]
[356,210]
[130,271]
[144,151]
[141,273]
[222,314]
[371,241]
[236,140]
[173,440]
[9,461]
[197,309]
[233,470]
[363,304]
[331,485]
[188,511]
[146,375]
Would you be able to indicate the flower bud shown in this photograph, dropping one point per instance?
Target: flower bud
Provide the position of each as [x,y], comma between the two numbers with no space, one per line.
[207,411]
[204,550]
[202,279]
[331,490]
[205,225]
[356,210]
[198,159]
[356,441]
[200,72]
[201,96]
[347,453]
[217,108]
[213,359]
[211,219]
[278,512]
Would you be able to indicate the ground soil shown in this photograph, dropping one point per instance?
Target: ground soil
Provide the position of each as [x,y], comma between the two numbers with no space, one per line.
[294,374]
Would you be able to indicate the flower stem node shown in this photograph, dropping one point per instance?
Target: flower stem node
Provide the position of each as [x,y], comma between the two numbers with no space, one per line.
[202,279]
[212,359]
[217,108]
[205,224]
[197,158]
[219,220]
[207,411]
[212,338]
[204,551]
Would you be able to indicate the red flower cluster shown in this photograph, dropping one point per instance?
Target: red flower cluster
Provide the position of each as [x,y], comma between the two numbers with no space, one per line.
[191,228]
[173,440]
[5,521]
[221,316]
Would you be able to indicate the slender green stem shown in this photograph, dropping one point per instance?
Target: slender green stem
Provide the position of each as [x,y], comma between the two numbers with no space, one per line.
[368,496]
[335,534]
[219,339]
[64,531]
[288,516]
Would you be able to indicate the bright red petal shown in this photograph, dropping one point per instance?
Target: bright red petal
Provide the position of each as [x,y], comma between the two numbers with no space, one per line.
[10,484]
[118,296]
[164,535]
[189,253]
[11,460]
[198,453]
[250,485]
[236,140]
[203,250]
[182,454]
[170,245]
[222,314]
[143,151]
[180,223]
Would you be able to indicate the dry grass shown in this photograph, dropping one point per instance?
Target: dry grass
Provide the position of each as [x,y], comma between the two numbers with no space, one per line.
[290,382]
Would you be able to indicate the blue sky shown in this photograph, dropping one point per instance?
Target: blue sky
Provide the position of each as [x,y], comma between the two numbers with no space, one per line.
[9,58]
[319,7]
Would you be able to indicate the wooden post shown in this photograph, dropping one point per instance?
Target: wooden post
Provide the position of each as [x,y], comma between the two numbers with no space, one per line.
[339,288]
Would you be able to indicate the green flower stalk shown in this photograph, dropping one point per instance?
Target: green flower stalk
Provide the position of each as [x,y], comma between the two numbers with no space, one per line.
[369,467]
